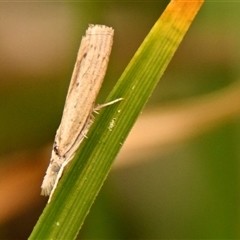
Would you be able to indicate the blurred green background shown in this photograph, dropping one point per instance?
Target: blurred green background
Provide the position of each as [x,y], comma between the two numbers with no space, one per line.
[185,187]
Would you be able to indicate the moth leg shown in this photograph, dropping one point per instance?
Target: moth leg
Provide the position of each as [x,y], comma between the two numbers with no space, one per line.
[99,106]
[59,175]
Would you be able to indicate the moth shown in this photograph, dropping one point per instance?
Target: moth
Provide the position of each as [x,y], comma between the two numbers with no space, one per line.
[88,74]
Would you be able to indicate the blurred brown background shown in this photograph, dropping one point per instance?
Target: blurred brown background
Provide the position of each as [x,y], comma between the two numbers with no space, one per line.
[177,175]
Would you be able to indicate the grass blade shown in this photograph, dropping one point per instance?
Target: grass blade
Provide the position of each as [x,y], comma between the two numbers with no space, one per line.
[64,216]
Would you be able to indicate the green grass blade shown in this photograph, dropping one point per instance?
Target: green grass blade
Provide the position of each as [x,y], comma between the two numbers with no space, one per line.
[64,216]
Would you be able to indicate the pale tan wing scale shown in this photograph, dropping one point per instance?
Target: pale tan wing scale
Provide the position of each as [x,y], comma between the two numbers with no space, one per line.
[87,78]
